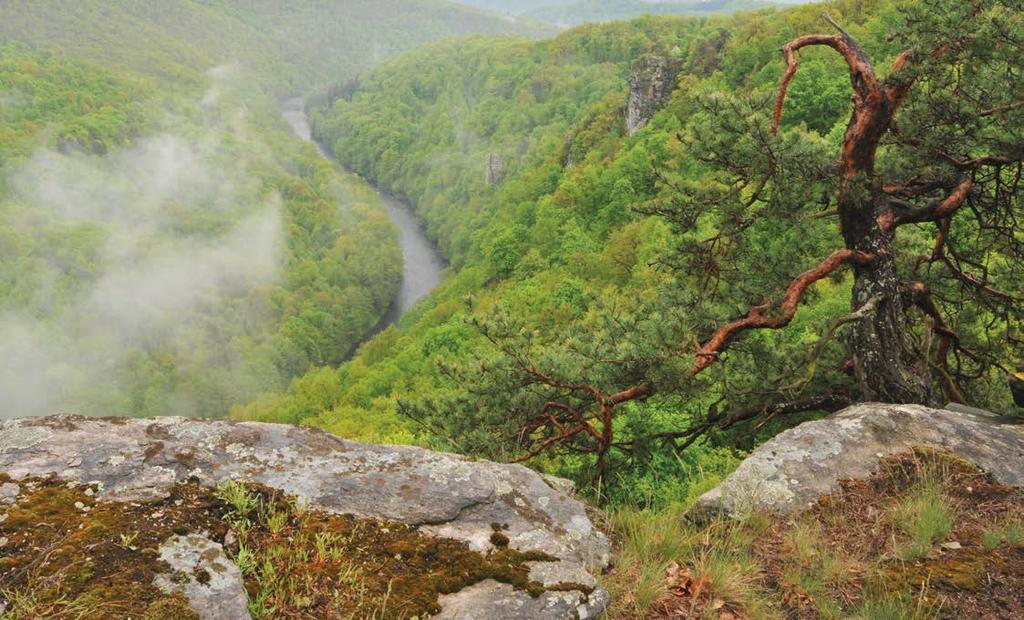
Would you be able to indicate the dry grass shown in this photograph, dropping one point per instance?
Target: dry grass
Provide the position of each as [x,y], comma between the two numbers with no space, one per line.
[901,545]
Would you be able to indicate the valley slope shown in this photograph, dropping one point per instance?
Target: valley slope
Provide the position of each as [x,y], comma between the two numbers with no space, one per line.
[169,247]
[558,226]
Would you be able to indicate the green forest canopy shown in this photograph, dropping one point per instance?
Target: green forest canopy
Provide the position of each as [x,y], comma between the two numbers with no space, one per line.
[168,246]
[567,254]
[571,12]
[564,258]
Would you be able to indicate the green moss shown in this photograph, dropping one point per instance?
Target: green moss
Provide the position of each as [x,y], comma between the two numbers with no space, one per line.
[360,567]
[499,540]
[69,555]
[963,571]
[170,608]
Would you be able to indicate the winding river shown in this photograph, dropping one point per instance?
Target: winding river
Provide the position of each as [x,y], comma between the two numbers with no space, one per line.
[421,264]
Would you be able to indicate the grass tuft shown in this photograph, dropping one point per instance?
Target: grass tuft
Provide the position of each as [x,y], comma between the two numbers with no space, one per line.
[925,515]
[660,551]
[649,541]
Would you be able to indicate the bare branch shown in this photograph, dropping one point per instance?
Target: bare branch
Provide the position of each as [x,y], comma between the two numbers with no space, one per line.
[1001,109]
[862,74]
[756,318]
[922,298]
[938,210]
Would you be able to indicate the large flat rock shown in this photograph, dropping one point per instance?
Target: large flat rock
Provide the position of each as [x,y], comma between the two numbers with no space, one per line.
[445,495]
[793,469]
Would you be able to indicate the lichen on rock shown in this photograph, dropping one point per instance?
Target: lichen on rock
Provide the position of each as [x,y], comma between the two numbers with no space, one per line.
[791,470]
[421,509]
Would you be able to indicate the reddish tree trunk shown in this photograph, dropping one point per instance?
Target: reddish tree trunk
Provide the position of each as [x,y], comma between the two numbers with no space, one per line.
[883,358]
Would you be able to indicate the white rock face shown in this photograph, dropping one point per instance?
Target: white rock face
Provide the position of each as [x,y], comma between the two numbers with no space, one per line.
[796,467]
[445,495]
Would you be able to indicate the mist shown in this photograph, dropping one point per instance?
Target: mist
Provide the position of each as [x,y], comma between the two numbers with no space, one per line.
[186,237]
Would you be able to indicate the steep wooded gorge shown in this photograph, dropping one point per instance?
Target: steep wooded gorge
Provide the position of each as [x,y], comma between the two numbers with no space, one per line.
[647,249]
[168,246]
[589,258]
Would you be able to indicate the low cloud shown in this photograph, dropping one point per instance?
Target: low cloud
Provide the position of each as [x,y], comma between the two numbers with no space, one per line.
[187,233]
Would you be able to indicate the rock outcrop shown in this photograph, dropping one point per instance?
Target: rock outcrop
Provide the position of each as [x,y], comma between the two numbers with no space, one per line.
[494,172]
[651,82]
[132,460]
[793,469]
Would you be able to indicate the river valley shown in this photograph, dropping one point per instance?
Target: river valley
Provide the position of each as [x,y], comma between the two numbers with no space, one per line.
[421,264]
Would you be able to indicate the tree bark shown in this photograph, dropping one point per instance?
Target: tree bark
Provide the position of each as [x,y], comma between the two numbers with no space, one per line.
[883,358]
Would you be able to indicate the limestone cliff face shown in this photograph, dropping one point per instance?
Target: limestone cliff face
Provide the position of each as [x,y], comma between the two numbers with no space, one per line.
[651,82]
[494,172]
[441,496]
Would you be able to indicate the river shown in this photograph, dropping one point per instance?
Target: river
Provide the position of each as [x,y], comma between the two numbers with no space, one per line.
[421,264]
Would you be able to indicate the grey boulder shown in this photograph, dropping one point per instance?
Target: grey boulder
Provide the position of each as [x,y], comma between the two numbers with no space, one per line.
[205,575]
[445,495]
[789,472]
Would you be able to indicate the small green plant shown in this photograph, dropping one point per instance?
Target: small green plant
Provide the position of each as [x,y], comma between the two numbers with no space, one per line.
[350,575]
[925,515]
[245,560]
[813,570]
[23,605]
[277,520]
[325,543]
[1011,533]
[1014,533]
[243,502]
[887,605]
[128,541]
[258,605]
[992,539]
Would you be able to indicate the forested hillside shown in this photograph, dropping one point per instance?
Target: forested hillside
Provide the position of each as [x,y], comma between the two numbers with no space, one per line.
[571,12]
[165,254]
[515,7]
[290,46]
[168,246]
[751,280]
[588,257]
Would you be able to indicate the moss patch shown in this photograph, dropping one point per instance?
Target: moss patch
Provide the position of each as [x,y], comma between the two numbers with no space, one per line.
[68,555]
[328,566]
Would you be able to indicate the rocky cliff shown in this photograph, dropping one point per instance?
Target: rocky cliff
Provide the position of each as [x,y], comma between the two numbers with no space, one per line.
[494,170]
[651,82]
[201,517]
